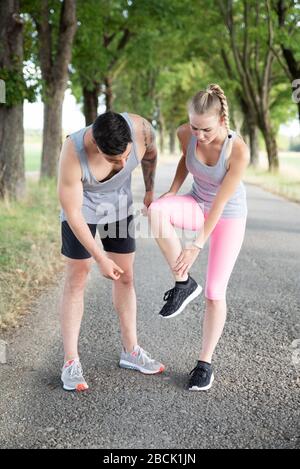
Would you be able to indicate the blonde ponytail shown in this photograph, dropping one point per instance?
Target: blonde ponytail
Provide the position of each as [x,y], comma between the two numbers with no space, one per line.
[213,99]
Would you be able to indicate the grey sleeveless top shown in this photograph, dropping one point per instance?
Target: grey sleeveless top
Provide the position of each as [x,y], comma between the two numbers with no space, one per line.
[207,180]
[111,200]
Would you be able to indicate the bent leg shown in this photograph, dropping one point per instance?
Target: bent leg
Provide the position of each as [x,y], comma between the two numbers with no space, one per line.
[181,211]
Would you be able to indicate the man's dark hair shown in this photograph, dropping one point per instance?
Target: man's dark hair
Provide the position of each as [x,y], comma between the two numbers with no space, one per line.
[112,133]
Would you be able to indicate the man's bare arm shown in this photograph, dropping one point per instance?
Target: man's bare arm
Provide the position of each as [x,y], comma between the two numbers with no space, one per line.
[70,193]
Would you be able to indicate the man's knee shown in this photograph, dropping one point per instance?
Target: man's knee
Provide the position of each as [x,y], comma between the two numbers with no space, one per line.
[76,274]
[126,278]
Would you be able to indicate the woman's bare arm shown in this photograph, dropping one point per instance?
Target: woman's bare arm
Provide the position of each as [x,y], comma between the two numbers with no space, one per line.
[239,161]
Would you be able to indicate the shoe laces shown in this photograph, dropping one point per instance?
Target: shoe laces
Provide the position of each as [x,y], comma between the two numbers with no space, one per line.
[75,370]
[170,294]
[199,370]
[146,358]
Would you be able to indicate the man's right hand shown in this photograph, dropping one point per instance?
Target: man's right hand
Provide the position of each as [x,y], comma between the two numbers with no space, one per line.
[109,269]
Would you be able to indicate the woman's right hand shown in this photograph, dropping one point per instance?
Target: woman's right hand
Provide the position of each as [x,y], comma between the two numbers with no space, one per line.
[109,269]
[167,194]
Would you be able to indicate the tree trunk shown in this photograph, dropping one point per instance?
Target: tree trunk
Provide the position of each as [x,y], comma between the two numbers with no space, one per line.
[253,143]
[90,103]
[161,133]
[255,82]
[172,140]
[250,129]
[54,66]
[271,147]
[52,133]
[108,93]
[12,171]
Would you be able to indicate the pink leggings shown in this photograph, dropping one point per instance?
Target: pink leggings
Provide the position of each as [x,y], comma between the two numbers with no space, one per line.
[226,239]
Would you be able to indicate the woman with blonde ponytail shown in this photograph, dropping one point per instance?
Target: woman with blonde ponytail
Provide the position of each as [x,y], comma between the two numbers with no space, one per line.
[215,208]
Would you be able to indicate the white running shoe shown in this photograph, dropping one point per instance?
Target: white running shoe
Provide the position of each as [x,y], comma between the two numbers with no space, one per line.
[72,376]
[140,360]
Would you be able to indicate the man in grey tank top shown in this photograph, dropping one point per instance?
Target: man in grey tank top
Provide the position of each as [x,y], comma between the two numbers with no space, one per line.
[94,187]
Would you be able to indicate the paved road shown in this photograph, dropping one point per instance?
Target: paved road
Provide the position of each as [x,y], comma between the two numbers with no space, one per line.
[254,401]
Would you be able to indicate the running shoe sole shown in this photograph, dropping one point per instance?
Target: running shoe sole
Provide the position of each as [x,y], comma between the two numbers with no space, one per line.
[78,388]
[131,366]
[204,388]
[190,298]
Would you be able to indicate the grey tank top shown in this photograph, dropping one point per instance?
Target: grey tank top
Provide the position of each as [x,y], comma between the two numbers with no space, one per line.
[207,180]
[111,200]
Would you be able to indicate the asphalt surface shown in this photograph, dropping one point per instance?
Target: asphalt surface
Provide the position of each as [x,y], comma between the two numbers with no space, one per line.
[254,401]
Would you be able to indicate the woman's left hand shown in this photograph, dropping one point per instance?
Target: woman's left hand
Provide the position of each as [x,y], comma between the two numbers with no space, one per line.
[186,260]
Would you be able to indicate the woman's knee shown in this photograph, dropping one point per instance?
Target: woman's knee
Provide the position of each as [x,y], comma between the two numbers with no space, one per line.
[155,209]
[215,302]
[181,211]
[159,218]
[214,293]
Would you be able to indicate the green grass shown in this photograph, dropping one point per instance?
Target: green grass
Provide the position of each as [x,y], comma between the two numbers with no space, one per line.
[292,161]
[32,156]
[285,183]
[33,150]
[29,248]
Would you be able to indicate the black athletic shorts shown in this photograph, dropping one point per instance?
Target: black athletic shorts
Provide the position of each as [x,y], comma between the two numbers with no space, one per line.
[115,237]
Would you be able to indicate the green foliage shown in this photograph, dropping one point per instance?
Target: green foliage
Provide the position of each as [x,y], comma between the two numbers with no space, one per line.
[14,85]
[21,83]
[32,15]
[152,60]
[97,46]
[159,53]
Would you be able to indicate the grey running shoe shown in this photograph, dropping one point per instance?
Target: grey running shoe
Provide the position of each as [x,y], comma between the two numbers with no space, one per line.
[72,376]
[140,360]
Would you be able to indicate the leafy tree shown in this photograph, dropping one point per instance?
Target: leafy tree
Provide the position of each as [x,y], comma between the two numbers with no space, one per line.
[12,176]
[55,24]
[101,37]
[287,37]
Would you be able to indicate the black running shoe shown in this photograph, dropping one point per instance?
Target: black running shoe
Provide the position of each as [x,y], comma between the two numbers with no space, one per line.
[179,297]
[202,377]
